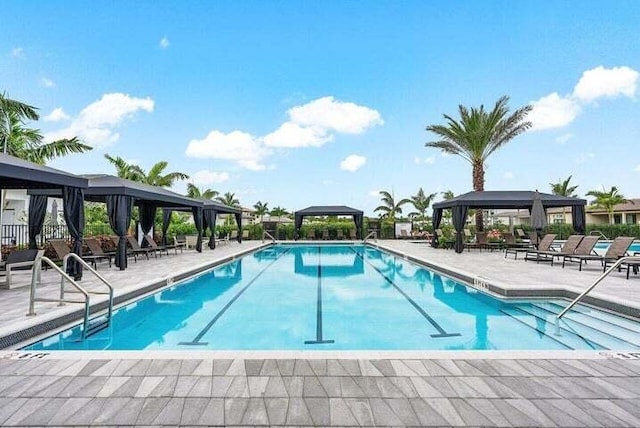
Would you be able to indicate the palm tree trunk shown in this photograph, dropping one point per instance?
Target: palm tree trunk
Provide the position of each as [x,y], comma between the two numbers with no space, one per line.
[478,186]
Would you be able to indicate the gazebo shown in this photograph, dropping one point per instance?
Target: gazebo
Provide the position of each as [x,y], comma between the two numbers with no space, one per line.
[508,199]
[16,173]
[329,210]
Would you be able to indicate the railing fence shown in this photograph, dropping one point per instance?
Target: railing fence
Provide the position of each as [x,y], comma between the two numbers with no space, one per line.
[18,234]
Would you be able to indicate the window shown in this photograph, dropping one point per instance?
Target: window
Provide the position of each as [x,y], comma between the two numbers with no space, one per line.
[617,219]
[558,218]
[631,218]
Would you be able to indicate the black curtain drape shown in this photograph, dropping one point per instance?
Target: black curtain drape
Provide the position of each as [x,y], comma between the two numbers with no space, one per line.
[73,209]
[210,220]
[37,211]
[197,219]
[357,219]
[459,217]
[119,212]
[239,223]
[435,222]
[578,218]
[298,225]
[147,217]
[166,220]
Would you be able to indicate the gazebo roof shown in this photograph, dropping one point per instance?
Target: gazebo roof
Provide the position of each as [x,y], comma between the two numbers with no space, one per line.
[220,207]
[16,173]
[508,199]
[328,210]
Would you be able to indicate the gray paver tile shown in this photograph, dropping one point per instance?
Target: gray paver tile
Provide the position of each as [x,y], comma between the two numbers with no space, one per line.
[434,368]
[138,369]
[331,385]
[417,367]
[469,414]
[234,409]
[202,388]
[450,367]
[213,413]
[534,369]
[193,410]
[128,389]
[44,387]
[528,387]
[462,389]
[184,384]
[610,407]
[87,413]
[302,368]
[319,367]
[448,412]
[107,369]
[489,411]
[405,386]
[424,389]
[387,388]
[293,385]
[171,413]
[479,385]
[256,413]
[334,368]
[236,368]
[74,368]
[484,366]
[239,387]
[351,367]
[220,367]
[277,410]
[8,406]
[340,413]
[319,410]
[257,385]
[220,385]
[83,386]
[188,367]
[521,412]
[67,409]
[204,368]
[569,409]
[151,408]
[384,367]
[253,367]
[361,410]
[7,381]
[275,387]
[613,390]
[368,369]
[147,385]
[368,385]
[125,365]
[402,408]
[36,412]
[111,385]
[286,367]
[311,387]
[631,406]
[297,413]
[120,411]
[500,389]
[383,415]
[269,368]
[350,388]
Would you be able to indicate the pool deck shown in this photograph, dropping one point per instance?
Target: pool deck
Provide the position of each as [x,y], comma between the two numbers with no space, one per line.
[364,388]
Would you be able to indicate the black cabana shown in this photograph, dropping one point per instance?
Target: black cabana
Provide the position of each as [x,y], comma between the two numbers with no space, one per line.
[508,199]
[329,210]
[16,173]
[120,195]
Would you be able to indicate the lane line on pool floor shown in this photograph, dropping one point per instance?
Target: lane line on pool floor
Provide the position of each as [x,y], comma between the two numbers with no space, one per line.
[196,341]
[441,332]
[319,339]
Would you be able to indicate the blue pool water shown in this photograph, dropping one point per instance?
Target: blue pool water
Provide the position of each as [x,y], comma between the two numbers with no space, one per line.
[601,247]
[329,297]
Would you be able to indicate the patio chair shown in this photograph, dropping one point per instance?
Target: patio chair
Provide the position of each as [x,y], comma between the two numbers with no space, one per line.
[617,249]
[339,234]
[353,234]
[567,249]
[137,249]
[115,239]
[62,249]
[510,244]
[544,245]
[19,260]
[160,248]
[325,234]
[233,236]
[480,243]
[180,242]
[98,252]
[245,234]
[521,234]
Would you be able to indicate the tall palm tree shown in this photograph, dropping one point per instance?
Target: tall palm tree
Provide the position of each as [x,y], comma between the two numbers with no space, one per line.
[607,200]
[155,177]
[390,207]
[12,109]
[477,134]
[421,203]
[447,195]
[229,199]
[261,209]
[562,188]
[194,191]
[125,169]
[278,212]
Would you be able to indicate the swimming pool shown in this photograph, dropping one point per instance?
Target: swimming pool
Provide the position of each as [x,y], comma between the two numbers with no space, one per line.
[341,297]
[602,247]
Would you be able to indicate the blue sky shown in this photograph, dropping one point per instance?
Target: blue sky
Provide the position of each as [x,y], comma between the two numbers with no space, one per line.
[310,103]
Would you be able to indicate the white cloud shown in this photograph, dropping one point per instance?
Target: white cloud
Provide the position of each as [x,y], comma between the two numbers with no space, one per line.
[291,135]
[17,52]
[637,168]
[507,175]
[426,161]
[553,111]
[602,82]
[238,146]
[206,177]
[564,138]
[353,163]
[47,83]
[339,116]
[164,42]
[584,157]
[56,115]
[96,122]
[374,193]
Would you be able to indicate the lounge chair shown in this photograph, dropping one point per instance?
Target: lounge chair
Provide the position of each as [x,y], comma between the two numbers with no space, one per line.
[115,239]
[180,242]
[511,244]
[160,248]
[62,249]
[544,245]
[617,249]
[340,234]
[521,234]
[19,260]
[98,252]
[353,234]
[325,234]
[245,234]
[480,243]
[567,249]
[137,249]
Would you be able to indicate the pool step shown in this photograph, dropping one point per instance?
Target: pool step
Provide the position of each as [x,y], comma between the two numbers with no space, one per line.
[589,329]
[97,324]
[585,311]
[567,339]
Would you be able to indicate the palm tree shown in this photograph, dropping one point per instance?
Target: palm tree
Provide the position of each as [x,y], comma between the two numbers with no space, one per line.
[562,188]
[229,199]
[478,134]
[125,169]
[156,176]
[194,191]
[390,207]
[9,110]
[607,200]
[261,209]
[448,195]
[278,212]
[421,203]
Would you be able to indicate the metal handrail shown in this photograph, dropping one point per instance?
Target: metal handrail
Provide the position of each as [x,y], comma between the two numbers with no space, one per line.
[598,281]
[373,234]
[598,233]
[94,272]
[265,233]
[33,298]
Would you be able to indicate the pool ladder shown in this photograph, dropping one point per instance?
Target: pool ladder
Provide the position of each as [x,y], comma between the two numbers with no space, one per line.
[89,326]
[620,261]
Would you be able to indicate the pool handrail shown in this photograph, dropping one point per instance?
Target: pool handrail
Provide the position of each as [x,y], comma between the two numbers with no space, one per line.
[265,233]
[371,235]
[599,233]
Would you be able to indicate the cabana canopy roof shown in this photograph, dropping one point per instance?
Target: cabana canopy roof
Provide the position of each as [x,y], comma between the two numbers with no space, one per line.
[16,173]
[519,199]
[328,210]
[220,207]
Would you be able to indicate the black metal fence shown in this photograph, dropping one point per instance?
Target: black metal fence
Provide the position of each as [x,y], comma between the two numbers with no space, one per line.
[18,234]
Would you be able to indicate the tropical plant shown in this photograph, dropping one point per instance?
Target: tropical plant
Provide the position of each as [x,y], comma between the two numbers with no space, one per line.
[9,111]
[421,203]
[477,134]
[261,209]
[155,177]
[229,199]
[607,200]
[447,195]
[390,207]
[194,191]
[562,188]
[278,212]
[125,169]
